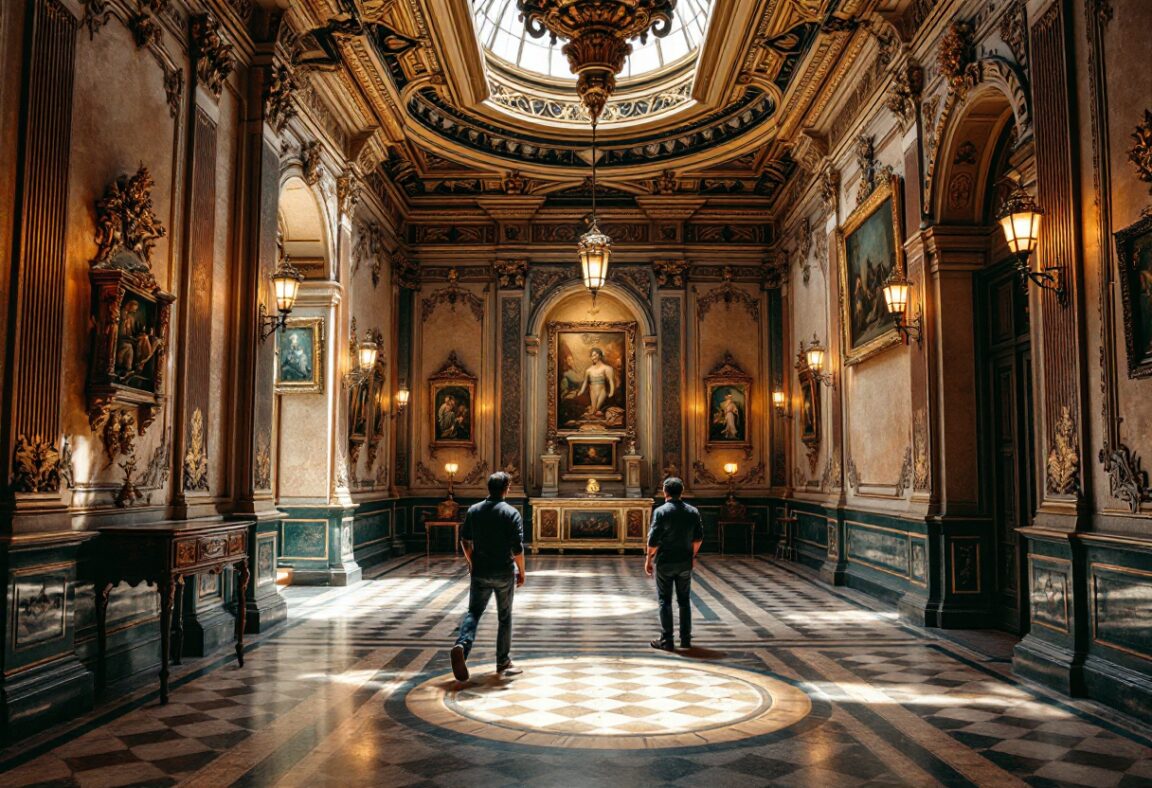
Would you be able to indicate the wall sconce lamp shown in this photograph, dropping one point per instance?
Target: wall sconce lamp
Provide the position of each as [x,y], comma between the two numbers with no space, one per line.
[364,354]
[450,468]
[402,395]
[286,281]
[1020,220]
[896,292]
[780,403]
[814,356]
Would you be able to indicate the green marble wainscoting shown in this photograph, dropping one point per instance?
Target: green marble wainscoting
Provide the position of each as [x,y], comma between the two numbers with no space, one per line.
[209,624]
[1090,609]
[43,681]
[375,537]
[265,606]
[934,571]
[316,543]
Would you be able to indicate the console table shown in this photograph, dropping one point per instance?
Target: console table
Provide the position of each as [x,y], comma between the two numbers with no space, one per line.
[164,554]
[430,524]
[590,523]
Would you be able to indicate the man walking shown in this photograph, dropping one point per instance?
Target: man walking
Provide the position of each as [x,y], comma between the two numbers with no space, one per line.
[673,541]
[493,540]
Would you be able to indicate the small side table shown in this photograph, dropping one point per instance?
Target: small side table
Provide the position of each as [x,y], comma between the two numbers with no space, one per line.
[164,554]
[784,548]
[430,524]
[721,525]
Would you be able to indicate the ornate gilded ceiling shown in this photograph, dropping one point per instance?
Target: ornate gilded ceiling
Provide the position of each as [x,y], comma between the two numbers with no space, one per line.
[451,118]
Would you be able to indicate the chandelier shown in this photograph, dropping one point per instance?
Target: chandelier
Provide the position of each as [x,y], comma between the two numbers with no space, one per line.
[598,32]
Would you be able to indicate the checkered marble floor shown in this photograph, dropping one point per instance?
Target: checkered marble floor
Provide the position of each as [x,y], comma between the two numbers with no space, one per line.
[790,682]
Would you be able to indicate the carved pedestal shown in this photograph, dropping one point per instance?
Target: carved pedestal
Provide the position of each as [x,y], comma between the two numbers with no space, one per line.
[632,475]
[550,474]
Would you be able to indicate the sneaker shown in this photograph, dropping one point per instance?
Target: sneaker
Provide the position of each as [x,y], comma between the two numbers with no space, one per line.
[508,669]
[662,645]
[459,663]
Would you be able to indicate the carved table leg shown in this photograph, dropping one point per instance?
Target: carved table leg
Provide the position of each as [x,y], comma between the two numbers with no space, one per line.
[166,588]
[242,577]
[102,593]
[178,624]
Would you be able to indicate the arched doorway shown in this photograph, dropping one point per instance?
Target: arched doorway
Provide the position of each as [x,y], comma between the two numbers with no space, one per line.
[980,159]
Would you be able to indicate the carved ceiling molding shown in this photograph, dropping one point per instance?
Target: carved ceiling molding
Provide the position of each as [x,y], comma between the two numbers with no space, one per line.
[428,109]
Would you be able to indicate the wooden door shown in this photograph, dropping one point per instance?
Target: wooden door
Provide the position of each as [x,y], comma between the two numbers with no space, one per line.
[1005,354]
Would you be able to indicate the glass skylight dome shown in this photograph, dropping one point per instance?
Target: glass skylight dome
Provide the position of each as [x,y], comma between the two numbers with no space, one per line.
[505,38]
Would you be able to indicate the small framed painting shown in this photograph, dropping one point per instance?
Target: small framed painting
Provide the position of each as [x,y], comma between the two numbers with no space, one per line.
[728,392]
[1134,256]
[451,396]
[300,356]
[591,456]
[593,525]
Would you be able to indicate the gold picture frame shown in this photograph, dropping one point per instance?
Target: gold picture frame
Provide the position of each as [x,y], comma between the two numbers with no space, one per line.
[616,343]
[451,406]
[728,399]
[300,356]
[873,232]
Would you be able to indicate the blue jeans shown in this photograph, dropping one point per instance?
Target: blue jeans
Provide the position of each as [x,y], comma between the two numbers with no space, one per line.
[680,576]
[479,593]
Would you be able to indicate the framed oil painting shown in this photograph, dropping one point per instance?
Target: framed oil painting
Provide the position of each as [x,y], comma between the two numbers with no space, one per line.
[130,343]
[591,456]
[871,250]
[592,525]
[451,398]
[300,356]
[591,377]
[728,391]
[1134,255]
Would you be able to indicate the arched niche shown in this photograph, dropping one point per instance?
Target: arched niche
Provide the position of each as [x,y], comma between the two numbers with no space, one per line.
[305,407]
[571,304]
[304,230]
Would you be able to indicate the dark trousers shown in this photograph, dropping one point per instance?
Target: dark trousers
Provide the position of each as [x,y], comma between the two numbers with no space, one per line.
[680,577]
[479,593]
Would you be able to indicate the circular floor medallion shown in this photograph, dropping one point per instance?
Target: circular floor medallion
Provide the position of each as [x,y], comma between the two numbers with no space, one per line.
[612,703]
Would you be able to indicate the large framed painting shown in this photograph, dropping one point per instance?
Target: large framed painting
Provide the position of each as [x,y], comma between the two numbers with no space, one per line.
[591,377]
[728,392]
[593,525]
[871,250]
[1134,253]
[300,356]
[451,397]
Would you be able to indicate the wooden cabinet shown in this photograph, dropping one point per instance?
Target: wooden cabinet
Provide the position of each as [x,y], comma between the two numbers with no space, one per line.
[590,523]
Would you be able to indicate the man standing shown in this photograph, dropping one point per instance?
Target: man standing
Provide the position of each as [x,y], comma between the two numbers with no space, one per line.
[673,541]
[493,540]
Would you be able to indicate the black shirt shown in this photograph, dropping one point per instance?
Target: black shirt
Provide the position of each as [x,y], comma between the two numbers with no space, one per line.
[675,526]
[496,532]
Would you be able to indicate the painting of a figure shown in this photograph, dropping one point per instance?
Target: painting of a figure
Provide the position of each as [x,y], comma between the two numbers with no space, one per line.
[138,342]
[729,408]
[359,397]
[592,525]
[592,456]
[590,382]
[809,409]
[453,408]
[871,252]
[1134,250]
[299,346]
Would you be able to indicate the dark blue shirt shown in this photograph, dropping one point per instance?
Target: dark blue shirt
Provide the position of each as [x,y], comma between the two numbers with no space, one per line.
[675,526]
[496,532]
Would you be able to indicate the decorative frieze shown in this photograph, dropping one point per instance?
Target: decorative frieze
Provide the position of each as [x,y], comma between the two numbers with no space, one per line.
[1127,481]
[670,273]
[213,54]
[1140,154]
[1063,464]
[36,465]
[196,457]
[510,274]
